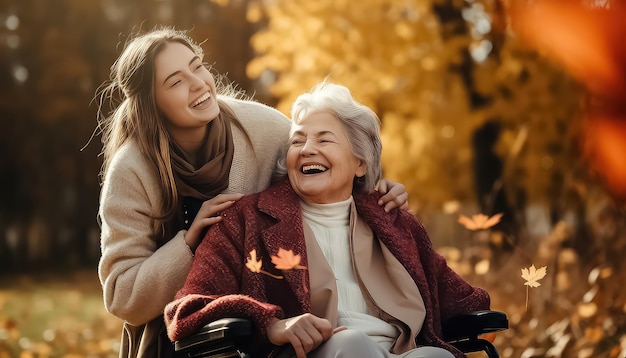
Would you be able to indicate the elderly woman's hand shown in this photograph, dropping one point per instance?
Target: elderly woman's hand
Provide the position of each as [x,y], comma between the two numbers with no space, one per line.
[395,195]
[304,332]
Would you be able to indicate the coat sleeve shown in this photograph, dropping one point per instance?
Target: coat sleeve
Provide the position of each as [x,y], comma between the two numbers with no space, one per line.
[213,287]
[453,294]
[138,277]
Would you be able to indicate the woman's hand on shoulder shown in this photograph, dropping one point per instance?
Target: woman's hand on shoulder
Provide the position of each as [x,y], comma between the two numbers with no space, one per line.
[394,195]
[208,215]
[305,332]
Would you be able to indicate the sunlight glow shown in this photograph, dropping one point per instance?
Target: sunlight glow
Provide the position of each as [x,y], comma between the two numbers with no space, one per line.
[481,50]
[12,22]
[20,73]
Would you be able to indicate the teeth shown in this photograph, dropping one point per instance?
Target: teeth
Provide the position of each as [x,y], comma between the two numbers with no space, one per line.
[203,98]
[315,168]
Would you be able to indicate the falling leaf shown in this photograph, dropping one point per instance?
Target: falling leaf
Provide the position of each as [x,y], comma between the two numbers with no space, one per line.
[479,221]
[532,275]
[252,264]
[286,260]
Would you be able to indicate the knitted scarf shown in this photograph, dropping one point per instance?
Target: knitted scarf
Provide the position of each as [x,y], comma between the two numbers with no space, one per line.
[212,177]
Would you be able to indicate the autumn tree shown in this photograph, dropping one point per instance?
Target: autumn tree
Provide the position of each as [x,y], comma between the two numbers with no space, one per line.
[434,71]
[438,72]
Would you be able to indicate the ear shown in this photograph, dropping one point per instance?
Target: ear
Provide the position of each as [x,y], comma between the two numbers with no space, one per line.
[361,170]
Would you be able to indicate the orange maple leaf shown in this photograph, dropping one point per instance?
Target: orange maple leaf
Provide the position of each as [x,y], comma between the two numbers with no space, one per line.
[479,221]
[532,275]
[255,265]
[252,264]
[286,260]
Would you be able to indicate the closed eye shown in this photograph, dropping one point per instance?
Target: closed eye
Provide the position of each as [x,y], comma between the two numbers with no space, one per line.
[326,139]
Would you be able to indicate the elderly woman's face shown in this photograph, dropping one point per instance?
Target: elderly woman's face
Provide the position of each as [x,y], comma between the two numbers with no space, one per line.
[320,163]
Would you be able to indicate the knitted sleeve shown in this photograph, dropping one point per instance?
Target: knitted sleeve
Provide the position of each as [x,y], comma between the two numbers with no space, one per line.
[213,288]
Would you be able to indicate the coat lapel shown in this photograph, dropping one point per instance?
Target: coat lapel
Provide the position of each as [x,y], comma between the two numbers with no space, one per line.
[324,299]
[400,242]
[389,285]
[282,204]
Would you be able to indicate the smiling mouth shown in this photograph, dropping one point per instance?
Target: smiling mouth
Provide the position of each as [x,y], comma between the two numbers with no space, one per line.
[205,97]
[313,169]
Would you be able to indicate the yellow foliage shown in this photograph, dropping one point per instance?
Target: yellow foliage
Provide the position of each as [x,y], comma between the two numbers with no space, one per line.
[397,58]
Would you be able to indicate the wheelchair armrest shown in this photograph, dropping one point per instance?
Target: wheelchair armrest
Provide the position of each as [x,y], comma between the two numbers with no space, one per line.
[473,324]
[231,335]
[218,333]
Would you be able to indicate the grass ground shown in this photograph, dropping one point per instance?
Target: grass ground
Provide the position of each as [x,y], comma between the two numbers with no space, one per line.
[58,315]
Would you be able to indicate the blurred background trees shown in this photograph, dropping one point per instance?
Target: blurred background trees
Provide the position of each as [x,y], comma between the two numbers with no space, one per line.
[473,119]
[435,71]
[53,56]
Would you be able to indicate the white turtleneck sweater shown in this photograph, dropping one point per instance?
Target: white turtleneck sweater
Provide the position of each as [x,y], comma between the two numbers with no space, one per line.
[330,224]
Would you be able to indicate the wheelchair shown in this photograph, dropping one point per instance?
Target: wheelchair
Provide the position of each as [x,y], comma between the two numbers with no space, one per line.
[229,337]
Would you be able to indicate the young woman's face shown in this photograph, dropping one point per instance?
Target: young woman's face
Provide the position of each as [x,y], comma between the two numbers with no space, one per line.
[320,163]
[185,91]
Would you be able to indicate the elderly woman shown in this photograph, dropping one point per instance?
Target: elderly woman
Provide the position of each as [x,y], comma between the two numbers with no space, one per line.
[349,280]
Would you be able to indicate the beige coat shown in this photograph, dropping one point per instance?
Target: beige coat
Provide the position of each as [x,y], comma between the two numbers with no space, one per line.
[138,277]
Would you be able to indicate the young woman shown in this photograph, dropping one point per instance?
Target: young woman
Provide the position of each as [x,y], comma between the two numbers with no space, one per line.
[177,152]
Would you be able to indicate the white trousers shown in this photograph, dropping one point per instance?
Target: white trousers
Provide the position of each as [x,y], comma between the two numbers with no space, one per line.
[355,344]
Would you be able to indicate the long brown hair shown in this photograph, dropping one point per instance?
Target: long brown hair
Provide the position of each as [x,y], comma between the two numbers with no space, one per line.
[133,112]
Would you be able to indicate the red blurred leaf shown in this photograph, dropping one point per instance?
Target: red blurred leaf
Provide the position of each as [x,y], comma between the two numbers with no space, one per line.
[587,41]
[605,146]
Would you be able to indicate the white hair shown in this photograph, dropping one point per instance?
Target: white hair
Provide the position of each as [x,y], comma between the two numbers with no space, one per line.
[361,124]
